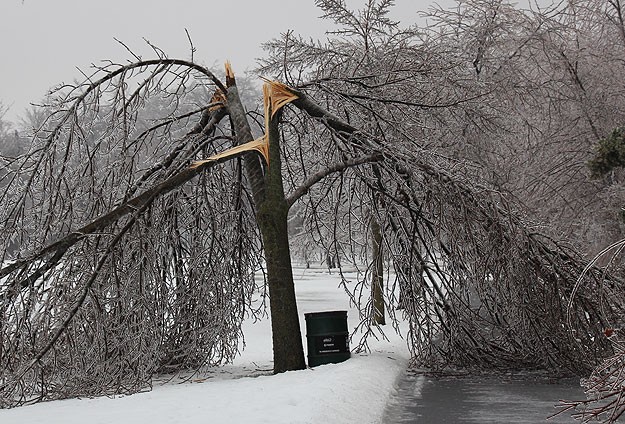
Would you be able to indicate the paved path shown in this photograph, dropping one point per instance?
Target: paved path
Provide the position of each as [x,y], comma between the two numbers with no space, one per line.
[428,400]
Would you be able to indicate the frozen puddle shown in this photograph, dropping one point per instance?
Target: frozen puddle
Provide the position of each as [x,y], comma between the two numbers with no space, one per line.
[506,399]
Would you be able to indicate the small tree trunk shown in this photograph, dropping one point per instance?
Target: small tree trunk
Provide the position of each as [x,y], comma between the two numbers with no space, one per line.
[377,279]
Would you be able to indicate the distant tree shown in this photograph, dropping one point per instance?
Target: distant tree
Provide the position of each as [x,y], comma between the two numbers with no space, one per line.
[8,135]
[3,124]
[377,274]
[609,155]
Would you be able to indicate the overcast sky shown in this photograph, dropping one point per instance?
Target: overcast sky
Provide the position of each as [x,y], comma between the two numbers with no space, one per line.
[43,42]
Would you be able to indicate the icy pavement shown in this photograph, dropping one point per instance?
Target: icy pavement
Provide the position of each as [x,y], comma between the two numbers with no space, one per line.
[506,399]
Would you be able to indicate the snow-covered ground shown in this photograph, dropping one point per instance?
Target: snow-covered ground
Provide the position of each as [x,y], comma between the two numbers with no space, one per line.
[355,391]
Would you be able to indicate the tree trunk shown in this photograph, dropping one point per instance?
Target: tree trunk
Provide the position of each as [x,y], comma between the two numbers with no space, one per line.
[377,271]
[271,216]
[288,352]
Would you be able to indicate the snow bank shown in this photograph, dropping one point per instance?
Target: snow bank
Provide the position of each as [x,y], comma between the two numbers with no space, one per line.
[355,391]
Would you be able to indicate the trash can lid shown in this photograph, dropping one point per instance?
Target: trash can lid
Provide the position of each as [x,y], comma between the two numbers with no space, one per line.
[325,314]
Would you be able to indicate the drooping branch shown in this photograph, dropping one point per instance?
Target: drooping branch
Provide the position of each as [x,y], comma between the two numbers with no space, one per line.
[110,75]
[306,104]
[465,231]
[94,282]
[85,291]
[127,207]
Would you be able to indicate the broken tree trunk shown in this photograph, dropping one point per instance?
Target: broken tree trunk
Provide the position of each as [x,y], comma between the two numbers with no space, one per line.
[271,216]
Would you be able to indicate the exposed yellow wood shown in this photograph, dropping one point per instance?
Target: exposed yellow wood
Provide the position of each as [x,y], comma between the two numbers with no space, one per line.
[229,71]
[280,95]
[275,96]
[260,145]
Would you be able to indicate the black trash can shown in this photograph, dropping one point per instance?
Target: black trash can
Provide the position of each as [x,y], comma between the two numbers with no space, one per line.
[327,336]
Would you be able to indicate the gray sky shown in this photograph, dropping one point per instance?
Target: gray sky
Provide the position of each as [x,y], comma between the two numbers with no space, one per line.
[44,41]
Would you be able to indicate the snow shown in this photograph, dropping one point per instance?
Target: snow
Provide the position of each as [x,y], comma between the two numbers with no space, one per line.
[354,391]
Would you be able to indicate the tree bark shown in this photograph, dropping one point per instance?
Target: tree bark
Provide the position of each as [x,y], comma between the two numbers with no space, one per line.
[377,272]
[288,351]
[243,134]
[271,216]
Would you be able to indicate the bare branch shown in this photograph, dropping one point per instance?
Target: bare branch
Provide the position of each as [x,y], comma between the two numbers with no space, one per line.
[338,167]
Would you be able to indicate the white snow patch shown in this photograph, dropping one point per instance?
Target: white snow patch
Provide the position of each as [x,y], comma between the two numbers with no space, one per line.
[355,391]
